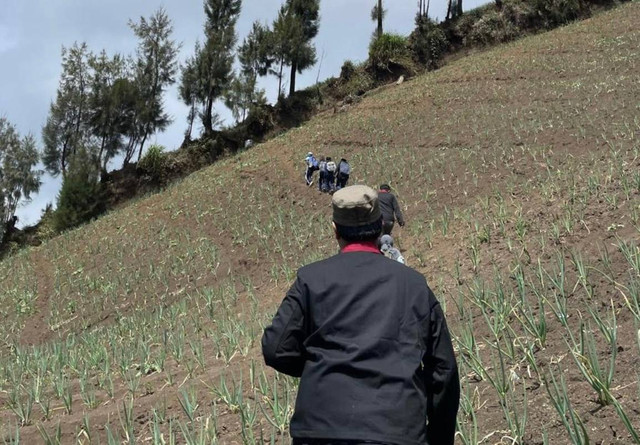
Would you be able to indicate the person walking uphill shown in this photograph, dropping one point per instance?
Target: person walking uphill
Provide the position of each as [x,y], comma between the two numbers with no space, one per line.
[368,340]
[312,165]
[331,172]
[390,209]
[344,170]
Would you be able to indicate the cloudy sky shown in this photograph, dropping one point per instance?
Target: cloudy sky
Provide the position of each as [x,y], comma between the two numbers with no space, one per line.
[32,33]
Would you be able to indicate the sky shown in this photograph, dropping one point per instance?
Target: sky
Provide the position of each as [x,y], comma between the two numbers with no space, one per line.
[33,32]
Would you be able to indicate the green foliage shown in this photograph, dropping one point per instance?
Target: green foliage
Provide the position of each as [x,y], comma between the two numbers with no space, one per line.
[348,70]
[18,179]
[256,54]
[354,80]
[297,24]
[488,25]
[554,13]
[82,196]
[492,28]
[242,96]
[295,109]
[378,14]
[389,51]
[102,100]
[46,228]
[428,42]
[112,104]
[209,73]
[67,128]
[259,121]
[155,70]
[154,162]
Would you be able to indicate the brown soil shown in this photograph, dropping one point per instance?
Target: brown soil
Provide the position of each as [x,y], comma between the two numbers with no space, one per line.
[496,106]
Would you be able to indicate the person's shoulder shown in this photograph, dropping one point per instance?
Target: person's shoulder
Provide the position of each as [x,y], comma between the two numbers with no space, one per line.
[408,273]
[316,267]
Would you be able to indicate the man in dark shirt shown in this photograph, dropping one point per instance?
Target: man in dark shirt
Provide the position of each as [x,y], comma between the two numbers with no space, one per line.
[390,209]
[368,340]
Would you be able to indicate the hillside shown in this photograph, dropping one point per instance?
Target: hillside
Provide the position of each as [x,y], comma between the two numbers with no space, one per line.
[518,169]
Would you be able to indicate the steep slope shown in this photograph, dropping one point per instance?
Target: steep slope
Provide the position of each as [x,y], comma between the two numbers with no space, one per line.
[518,168]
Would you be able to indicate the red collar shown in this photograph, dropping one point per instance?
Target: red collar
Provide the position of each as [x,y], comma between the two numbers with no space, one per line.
[361,247]
[383,191]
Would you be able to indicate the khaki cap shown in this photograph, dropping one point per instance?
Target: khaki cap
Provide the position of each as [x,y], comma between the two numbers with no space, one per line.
[355,206]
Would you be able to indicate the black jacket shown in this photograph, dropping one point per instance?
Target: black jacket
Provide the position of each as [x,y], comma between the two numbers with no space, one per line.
[370,342]
[390,208]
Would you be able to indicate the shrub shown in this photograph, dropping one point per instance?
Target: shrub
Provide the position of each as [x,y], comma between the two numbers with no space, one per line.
[259,121]
[360,83]
[81,198]
[348,70]
[389,51]
[428,43]
[154,162]
[297,108]
[46,228]
[493,27]
[557,12]
[521,14]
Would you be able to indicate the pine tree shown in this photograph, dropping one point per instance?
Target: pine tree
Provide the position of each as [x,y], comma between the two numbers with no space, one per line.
[110,111]
[155,69]
[377,15]
[255,56]
[81,197]
[18,176]
[213,61]
[188,90]
[306,24]
[282,37]
[66,128]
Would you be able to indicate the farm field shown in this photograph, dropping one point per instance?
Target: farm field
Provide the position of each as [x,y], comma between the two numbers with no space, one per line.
[519,172]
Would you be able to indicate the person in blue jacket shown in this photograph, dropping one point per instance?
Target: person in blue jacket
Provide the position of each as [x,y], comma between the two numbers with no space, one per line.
[312,165]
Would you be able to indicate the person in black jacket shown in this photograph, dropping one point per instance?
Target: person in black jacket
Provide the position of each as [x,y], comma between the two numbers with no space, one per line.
[390,209]
[368,340]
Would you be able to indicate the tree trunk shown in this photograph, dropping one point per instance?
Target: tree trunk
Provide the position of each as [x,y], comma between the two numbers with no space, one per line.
[499,4]
[459,8]
[208,114]
[63,160]
[292,84]
[192,116]
[102,144]
[131,148]
[379,18]
[144,139]
[426,9]
[449,11]
[280,79]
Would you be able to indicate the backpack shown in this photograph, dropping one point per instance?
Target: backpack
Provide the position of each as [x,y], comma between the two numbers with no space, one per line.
[331,166]
[345,168]
[322,166]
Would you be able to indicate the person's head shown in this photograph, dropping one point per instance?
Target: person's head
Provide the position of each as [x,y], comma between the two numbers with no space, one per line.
[310,154]
[386,242]
[385,187]
[343,160]
[328,158]
[356,215]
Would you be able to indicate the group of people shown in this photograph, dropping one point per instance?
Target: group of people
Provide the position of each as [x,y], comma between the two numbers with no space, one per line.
[367,337]
[334,177]
[331,177]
